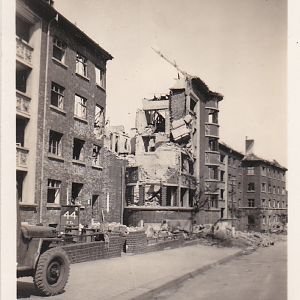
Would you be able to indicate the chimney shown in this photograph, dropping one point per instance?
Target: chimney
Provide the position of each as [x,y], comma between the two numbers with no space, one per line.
[249,146]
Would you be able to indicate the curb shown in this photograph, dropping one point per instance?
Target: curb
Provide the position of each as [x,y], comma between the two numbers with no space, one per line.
[151,293]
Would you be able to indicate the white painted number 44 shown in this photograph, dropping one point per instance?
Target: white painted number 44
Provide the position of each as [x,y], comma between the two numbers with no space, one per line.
[68,215]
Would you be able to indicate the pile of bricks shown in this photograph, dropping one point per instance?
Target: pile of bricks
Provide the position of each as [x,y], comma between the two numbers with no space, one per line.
[81,252]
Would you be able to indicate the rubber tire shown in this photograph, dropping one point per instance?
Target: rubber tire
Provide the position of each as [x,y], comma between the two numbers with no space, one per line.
[53,255]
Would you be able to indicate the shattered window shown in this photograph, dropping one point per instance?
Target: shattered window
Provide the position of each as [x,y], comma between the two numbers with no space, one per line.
[157,119]
[53,191]
[80,107]
[59,49]
[81,65]
[78,149]
[152,195]
[55,143]
[100,77]
[76,189]
[99,116]
[213,117]
[96,155]
[57,95]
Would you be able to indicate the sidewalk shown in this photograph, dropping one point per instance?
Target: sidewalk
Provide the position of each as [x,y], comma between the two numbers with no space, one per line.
[135,276]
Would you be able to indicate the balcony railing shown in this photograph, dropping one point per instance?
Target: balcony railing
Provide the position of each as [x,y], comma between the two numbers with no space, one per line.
[212,130]
[212,158]
[23,103]
[212,104]
[24,51]
[22,157]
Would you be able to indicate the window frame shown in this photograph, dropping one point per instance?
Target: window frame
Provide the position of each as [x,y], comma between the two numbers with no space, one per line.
[80,107]
[61,48]
[81,65]
[55,149]
[100,77]
[251,202]
[58,94]
[55,185]
[81,156]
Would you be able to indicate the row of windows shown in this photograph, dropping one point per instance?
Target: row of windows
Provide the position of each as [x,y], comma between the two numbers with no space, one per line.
[59,53]
[54,193]
[55,148]
[272,173]
[278,190]
[80,104]
[273,204]
[270,219]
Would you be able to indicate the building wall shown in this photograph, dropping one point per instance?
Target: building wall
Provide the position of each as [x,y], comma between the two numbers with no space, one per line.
[104,180]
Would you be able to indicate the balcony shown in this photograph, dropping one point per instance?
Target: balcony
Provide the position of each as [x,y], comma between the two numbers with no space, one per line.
[24,52]
[212,129]
[212,104]
[22,158]
[212,158]
[23,104]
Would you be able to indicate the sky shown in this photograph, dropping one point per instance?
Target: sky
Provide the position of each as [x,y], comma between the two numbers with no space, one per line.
[237,47]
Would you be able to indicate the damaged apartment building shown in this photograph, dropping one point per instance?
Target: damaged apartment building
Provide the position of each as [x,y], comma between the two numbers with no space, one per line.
[175,163]
[60,115]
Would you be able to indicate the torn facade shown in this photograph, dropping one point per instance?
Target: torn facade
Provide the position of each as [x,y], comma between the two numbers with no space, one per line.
[175,167]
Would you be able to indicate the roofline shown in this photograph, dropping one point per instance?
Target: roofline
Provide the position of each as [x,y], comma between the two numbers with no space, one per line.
[222,144]
[277,165]
[53,12]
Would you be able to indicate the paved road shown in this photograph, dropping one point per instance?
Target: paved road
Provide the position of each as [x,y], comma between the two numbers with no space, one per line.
[260,276]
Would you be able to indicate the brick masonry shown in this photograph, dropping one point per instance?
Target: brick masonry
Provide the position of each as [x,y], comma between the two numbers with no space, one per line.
[81,252]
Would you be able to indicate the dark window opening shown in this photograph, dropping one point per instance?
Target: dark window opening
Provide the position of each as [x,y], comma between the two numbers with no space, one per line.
[156,119]
[192,105]
[96,155]
[21,80]
[95,207]
[23,29]
[213,117]
[222,174]
[149,143]
[99,117]
[251,202]
[213,144]
[55,143]
[20,132]
[59,49]
[171,196]
[129,194]
[57,95]
[53,194]
[78,149]
[20,182]
[76,189]
[251,187]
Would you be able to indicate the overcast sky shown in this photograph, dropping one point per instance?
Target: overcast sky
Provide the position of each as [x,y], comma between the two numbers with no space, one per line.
[238,47]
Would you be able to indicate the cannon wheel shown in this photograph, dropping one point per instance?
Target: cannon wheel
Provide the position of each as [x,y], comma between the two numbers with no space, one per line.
[52,271]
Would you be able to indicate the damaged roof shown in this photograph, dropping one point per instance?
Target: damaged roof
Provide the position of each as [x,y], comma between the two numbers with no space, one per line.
[253,157]
[181,83]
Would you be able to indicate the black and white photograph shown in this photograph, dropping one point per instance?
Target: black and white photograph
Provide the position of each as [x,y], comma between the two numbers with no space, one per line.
[149,150]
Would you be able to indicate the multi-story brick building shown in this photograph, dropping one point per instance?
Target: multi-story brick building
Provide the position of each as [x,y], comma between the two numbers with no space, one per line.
[253,189]
[61,101]
[231,180]
[176,163]
[265,196]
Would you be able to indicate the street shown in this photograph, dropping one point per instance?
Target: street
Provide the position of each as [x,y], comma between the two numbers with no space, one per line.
[261,275]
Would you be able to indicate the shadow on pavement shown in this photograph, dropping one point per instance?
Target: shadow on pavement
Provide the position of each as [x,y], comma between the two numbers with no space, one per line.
[26,289]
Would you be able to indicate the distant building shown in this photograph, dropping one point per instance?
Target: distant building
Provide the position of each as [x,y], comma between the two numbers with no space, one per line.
[265,196]
[61,102]
[253,189]
[175,166]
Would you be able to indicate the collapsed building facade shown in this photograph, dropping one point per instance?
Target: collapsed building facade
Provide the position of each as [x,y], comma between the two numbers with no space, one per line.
[175,166]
